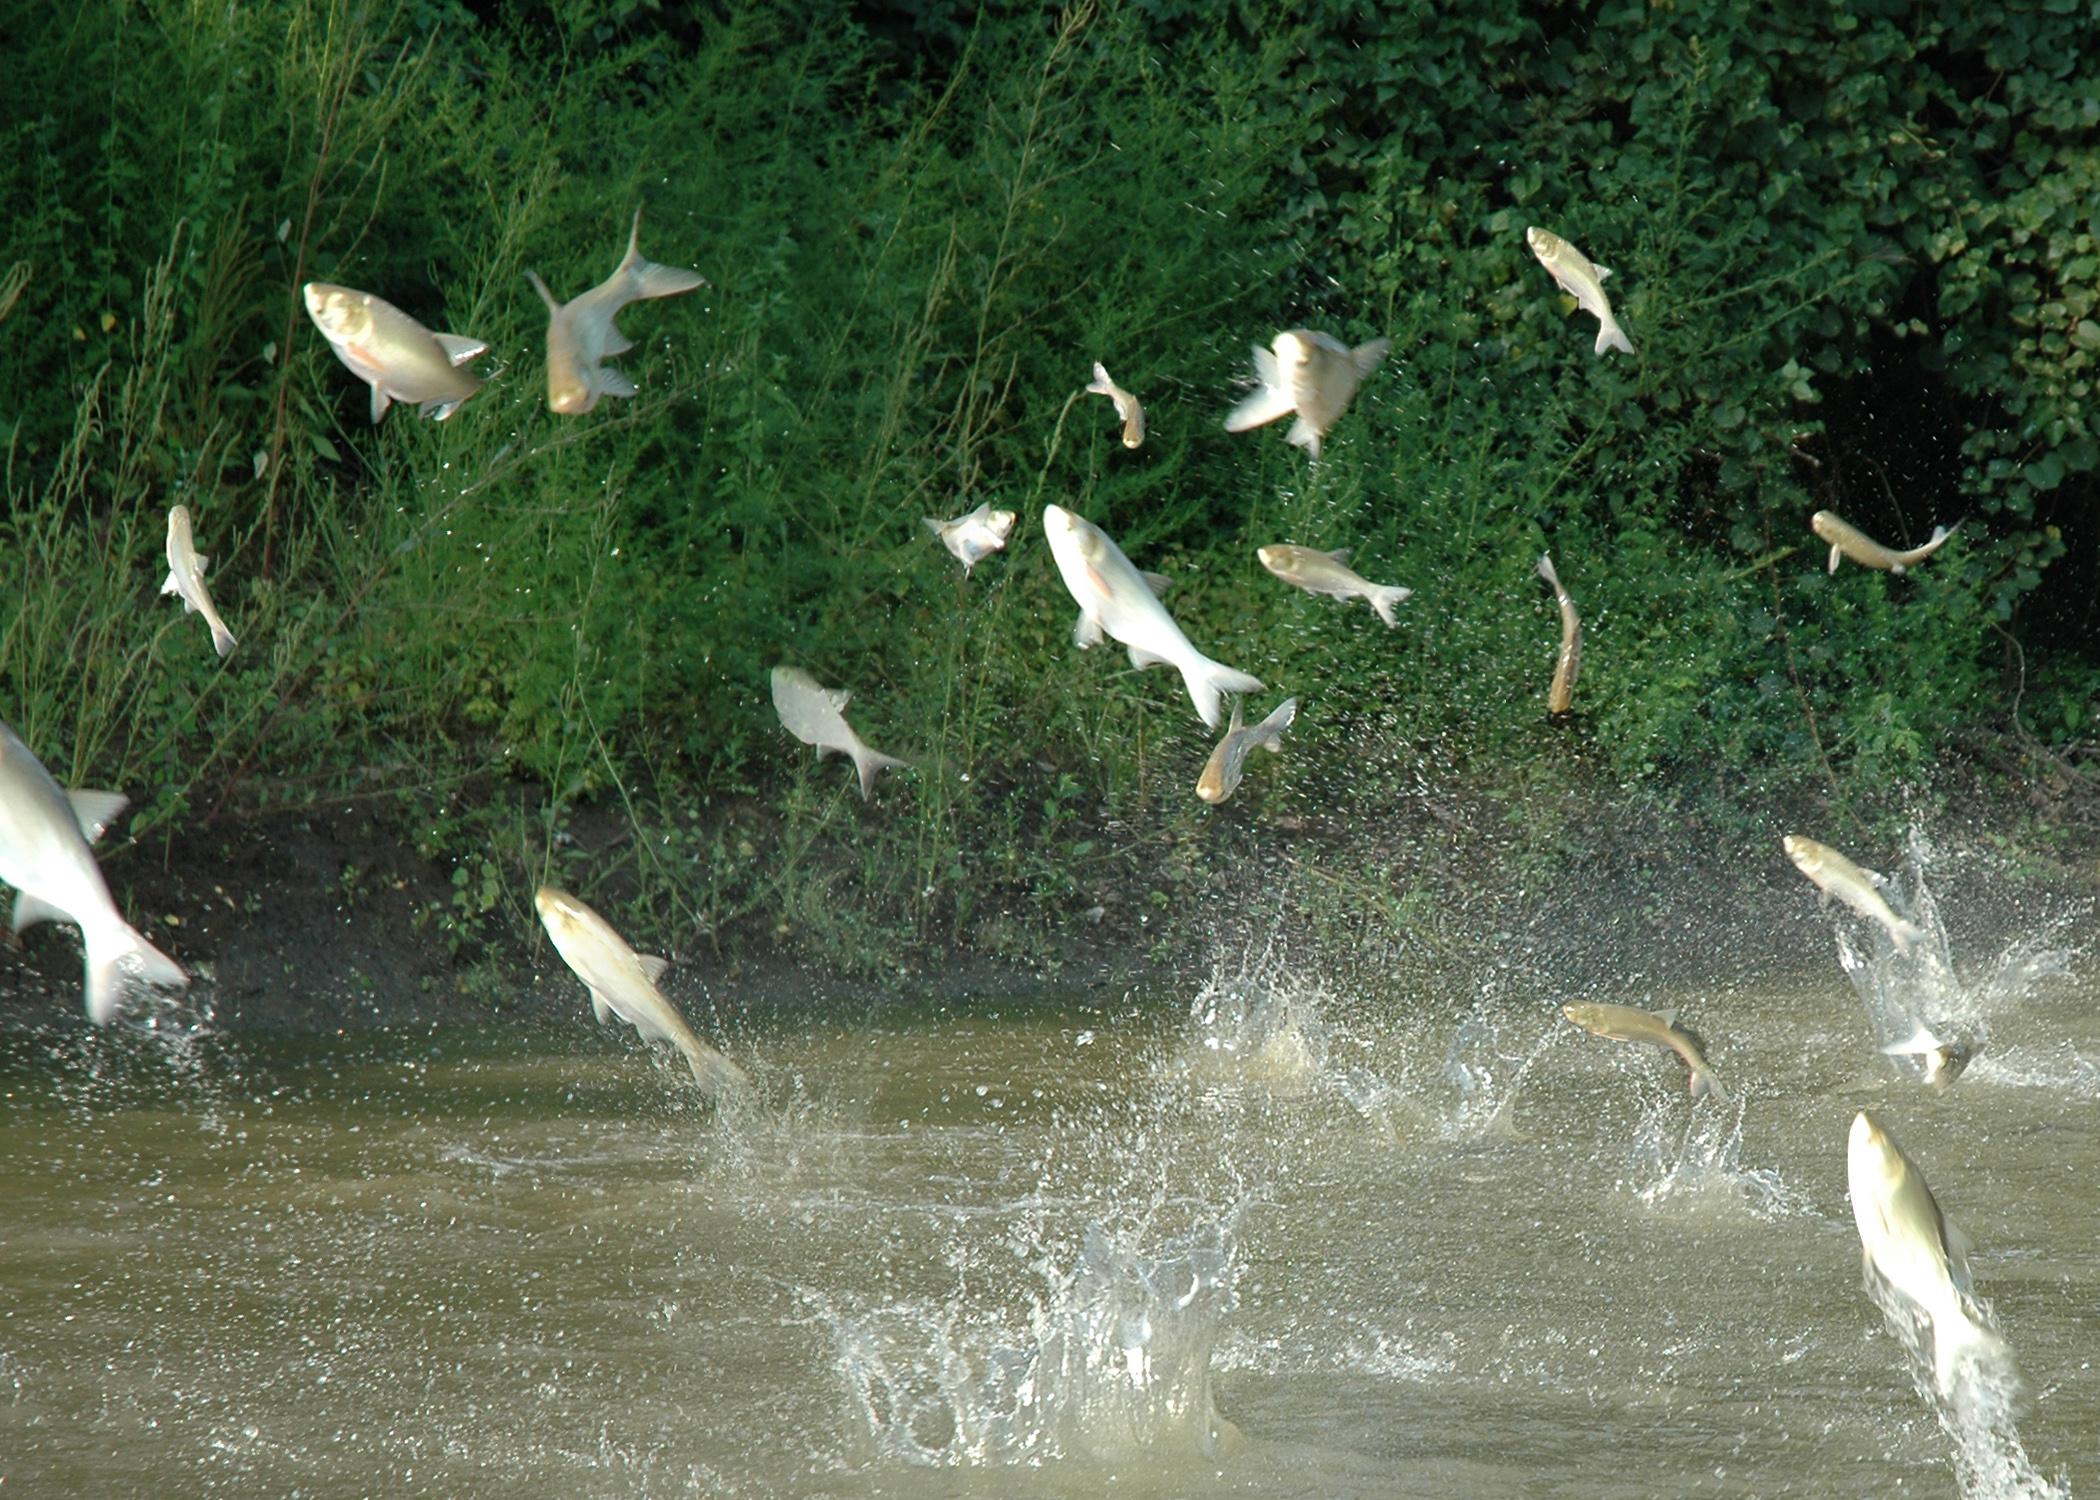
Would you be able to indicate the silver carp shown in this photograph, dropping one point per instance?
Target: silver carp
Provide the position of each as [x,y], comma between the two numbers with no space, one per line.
[1311,374]
[581,334]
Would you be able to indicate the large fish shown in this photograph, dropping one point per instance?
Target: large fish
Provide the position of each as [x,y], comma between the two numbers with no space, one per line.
[394,354]
[1841,880]
[1222,772]
[622,983]
[1116,601]
[186,578]
[1908,1246]
[812,715]
[1328,573]
[1312,374]
[975,536]
[1582,281]
[1940,1062]
[1561,696]
[1624,1023]
[1848,541]
[44,838]
[581,335]
[1127,407]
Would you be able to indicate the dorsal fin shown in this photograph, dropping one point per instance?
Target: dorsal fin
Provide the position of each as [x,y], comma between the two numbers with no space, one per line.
[653,966]
[95,811]
[1340,554]
[457,349]
[1159,583]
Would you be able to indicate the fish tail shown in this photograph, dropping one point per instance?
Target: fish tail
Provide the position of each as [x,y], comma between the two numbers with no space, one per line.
[541,287]
[1705,1082]
[647,277]
[115,955]
[1611,336]
[933,526]
[1207,679]
[868,762]
[1383,597]
[1958,1338]
[1102,385]
[715,1074]
[222,639]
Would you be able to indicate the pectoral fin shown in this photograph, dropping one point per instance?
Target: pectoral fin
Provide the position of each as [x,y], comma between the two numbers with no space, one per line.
[613,383]
[29,911]
[172,586]
[380,402]
[1086,631]
[601,1009]
[1141,659]
[1836,552]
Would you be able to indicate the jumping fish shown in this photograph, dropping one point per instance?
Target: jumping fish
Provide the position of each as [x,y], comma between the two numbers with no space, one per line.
[974,536]
[1117,601]
[622,983]
[581,334]
[1221,773]
[186,578]
[44,855]
[1561,696]
[394,354]
[1848,541]
[1908,1246]
[1837,877]
[1327,573]
[1580,280]
[1127,407]
[1942,1061]
[1312,374]
[1624,1023]
[812,715]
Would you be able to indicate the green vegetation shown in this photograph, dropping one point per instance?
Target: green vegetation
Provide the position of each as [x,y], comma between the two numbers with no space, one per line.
[918,241]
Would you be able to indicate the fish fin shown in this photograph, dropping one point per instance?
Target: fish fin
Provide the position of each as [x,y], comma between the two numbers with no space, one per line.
[1545,570]
[222,640]
[545,295]
[601,1008]
[1141,659]
[1383,597]
[1835,554]
[1879,880]
[1280,718]
[1611,336]
[1206,679]
[1896,568]
[613,383]
[95,811]
[459,349]
[715,1074]
[1704,1082]
[116,954]
[1271,400]
[653,966]
[174,586]
[380,402]
[1304,435]
[867,762]
[1941,533]
[616,342]
[1366,356]
[1238,720]
[1340,554]
[30,910]
[1102,385]
[1159,583]
[1603,272]
[651,279]
[1086,631]
[938,528]
[439,410]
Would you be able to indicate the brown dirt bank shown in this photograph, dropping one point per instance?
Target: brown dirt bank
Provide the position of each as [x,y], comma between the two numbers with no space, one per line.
[318,917]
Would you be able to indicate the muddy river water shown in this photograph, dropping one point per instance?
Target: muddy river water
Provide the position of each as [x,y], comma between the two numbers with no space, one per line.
[1251,1238]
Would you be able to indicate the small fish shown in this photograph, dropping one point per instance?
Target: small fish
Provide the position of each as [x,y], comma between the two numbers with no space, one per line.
[1327,573]
[1848,541]
[44,855]
[1942,1062]
[1908,1246]
[1582,281]
[186,578]
[581,335]
[394,354]
[1117,601]
[975,536]
[622,983]
[1840,879]
[812,715]
[1311,374]
[1561,696]
[1221,773]
[1127,407]
[1624,1023]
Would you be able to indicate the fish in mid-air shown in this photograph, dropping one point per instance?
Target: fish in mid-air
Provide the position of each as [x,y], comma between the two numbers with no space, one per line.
[1329,573]
[1561,696]
[975,536]
[1908,1246]
[1582,281]
[812,715]
[1849,541]
[1657,1028]
[1222,772]
[622,983]
[44,855]
[1841,880]
[186,578]
[1311,374]
[394,354]
[1118,602]
[1940,1061]
[1127,407]
[581,334]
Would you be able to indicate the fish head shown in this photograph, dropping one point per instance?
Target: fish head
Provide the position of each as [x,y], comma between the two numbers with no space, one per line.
[1292,351]
[1806,854]
[1824,524]
[1271,557]
[1545,244]
[1874,1163]
[1583,1014]
[560,911]
[569,389]
[343,316]
[1000,523]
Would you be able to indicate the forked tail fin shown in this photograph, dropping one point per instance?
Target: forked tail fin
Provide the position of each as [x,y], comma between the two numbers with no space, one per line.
[1383,597]
[868,762]
[1206,679]
[1611,336]
[115,956]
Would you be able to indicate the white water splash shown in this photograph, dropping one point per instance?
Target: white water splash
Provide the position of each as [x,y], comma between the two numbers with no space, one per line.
[1700,1164]
[1258,1029]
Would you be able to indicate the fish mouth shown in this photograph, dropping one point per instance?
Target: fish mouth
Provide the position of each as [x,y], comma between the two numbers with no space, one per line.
[1057,518]
[551,902]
